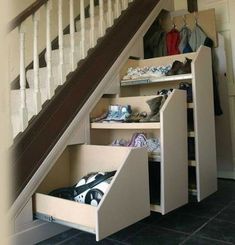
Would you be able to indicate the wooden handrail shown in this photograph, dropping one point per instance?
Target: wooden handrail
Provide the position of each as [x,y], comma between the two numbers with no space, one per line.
[25,14]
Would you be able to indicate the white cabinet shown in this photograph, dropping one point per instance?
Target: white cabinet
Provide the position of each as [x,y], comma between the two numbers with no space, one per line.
[172,132]
[203,166]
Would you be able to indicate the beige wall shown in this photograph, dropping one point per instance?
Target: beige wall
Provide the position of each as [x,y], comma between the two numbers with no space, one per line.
[180,4]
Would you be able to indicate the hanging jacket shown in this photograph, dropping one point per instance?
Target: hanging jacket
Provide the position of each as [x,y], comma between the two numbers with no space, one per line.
[197,38]
[172,42]
[185,35]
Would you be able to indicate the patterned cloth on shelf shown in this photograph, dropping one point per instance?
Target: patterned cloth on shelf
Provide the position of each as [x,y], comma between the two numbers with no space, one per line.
[145,72]
[139,140]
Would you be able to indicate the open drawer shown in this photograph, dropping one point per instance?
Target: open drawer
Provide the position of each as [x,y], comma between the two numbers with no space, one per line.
[172,132]
[125,202]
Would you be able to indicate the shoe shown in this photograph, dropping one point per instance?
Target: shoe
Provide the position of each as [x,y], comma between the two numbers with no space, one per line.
[154,105]
[188,88]
[165,91]
[175,68]
[136,117]
[118,113]
[185,68]
[138,140]
[113,112]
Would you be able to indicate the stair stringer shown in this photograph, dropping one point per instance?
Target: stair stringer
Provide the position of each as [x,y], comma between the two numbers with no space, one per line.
[110,83]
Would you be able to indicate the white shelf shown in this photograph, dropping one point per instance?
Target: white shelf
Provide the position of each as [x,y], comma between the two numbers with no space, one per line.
[147,80]
[147,125]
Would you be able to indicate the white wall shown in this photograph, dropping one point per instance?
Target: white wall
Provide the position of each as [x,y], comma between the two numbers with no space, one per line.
[225,20]
[4,126]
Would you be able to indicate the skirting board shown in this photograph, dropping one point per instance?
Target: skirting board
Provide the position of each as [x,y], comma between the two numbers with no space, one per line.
[226,174]
[37,232]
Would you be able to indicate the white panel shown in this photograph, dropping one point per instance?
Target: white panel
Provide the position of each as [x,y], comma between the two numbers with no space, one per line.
[204,124]
[223,126]
[128,199]
[174,163]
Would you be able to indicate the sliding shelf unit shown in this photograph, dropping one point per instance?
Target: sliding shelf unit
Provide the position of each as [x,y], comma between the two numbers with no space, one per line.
[202,131]
[172,132]
[117,208]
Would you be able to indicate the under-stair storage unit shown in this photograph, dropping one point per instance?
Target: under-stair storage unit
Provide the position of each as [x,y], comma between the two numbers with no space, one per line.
[172,132]
[201,125]
[125,202]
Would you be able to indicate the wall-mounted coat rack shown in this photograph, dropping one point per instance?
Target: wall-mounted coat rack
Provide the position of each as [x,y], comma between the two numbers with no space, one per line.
[205,19]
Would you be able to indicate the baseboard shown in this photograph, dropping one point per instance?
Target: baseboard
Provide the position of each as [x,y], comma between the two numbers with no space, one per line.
[226,174]
[37,232]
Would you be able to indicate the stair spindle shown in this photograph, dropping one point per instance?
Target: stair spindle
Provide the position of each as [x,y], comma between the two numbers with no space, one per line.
[101,16]
[72,33]
[124,4]
[37,93]
[50,82]
[82,22]
[110,14]
[61,44]
[92,23]
[23,107]
[117,8]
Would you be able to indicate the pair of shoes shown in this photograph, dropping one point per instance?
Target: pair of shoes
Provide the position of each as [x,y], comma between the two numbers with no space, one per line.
[118,113]
[188,88]
[179,67]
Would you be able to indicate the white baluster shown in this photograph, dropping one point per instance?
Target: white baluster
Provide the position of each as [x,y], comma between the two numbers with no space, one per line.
[124,4]
[117,8]
[101,16]
[110,14]
[61,43]
[23,106]
[72,31]
[82,21]
[37,92]
[92,23]
[50,82]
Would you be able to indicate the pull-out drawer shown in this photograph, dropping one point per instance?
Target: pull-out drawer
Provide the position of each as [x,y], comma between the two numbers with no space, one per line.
[125,202]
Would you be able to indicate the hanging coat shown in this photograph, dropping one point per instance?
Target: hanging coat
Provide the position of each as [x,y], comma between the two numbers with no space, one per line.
[173,41]
[185,35]
[197,38]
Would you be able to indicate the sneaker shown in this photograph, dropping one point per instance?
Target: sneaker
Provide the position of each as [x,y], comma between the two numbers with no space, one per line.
[118,113]
[139,140]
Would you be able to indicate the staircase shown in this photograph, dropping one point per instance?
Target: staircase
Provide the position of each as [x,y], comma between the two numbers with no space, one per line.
[52,109]
[43,81]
